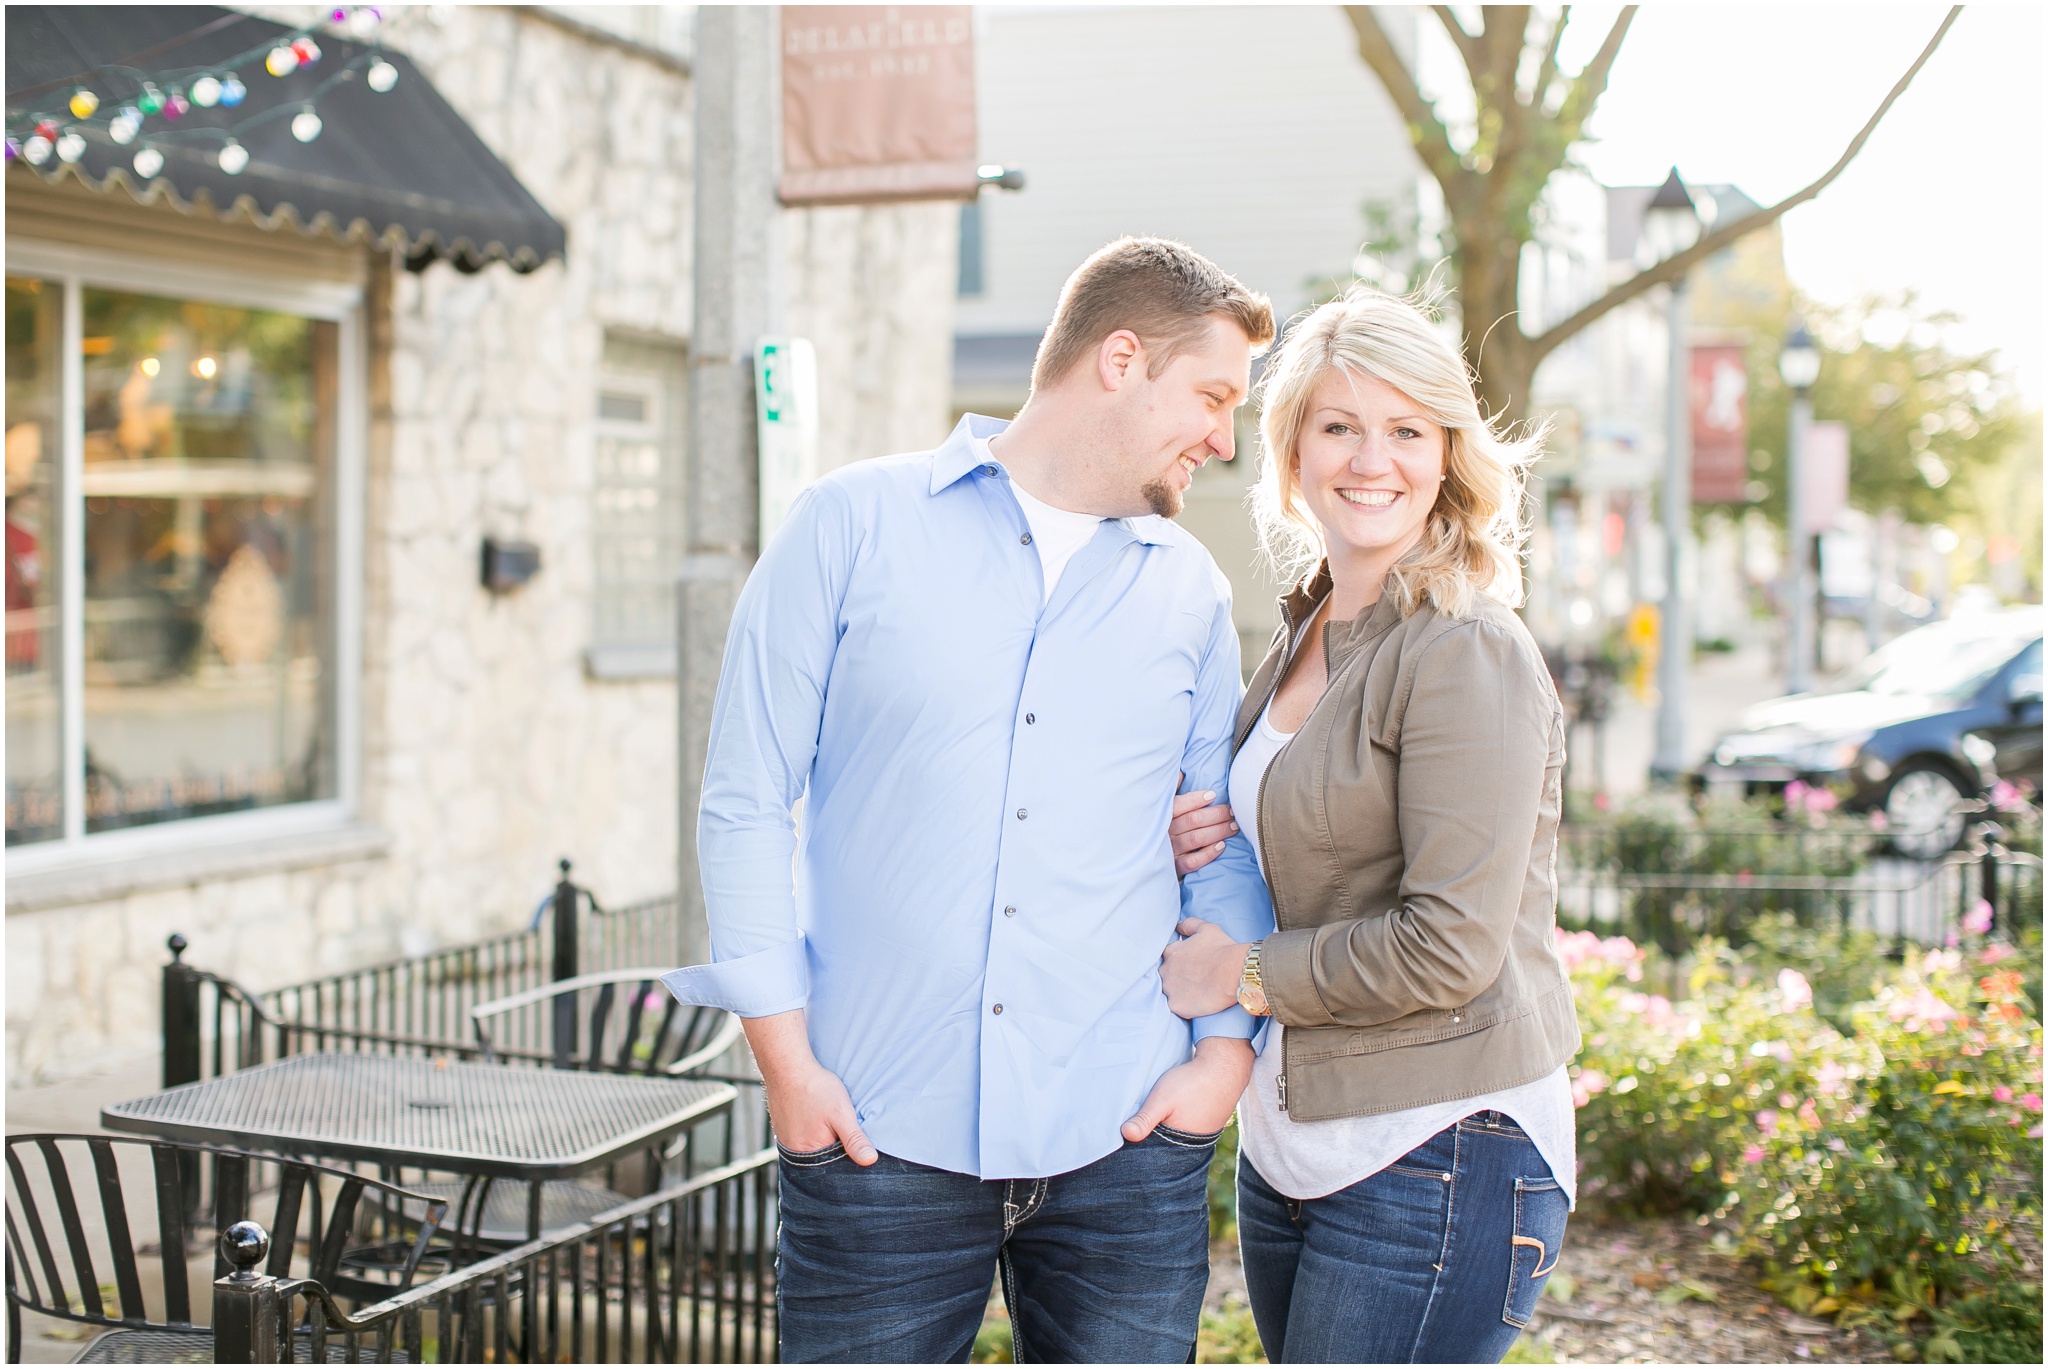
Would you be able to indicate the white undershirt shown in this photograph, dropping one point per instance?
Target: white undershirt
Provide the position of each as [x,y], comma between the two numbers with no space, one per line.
[1056,533]
[1315,1159]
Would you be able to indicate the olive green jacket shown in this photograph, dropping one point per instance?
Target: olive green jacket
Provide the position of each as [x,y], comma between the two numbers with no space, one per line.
[1409,837]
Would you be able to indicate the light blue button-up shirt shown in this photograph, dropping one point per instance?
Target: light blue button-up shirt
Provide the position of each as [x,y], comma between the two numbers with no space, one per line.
[983,881]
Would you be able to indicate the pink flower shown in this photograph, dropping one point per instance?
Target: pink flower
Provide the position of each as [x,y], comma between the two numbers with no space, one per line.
[1978,920]
[1994,953]
[1878,822]
[2031,1102]
[2001,1094]
[1837,1145]
[1752,1154]
[1767,1122]
[1810,1115]
[2004,795]
[1940,962]
[1827,1080]
[1794,989]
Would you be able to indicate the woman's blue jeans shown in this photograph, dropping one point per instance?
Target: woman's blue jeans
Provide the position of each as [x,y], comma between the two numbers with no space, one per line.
[1437,1259]
[893,1263]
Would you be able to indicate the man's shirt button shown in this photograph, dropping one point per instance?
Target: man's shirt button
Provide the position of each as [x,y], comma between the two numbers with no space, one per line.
[1030,717]
[1023,813]
[1025,539]
[988,470]
[1010,911]
[999,1010]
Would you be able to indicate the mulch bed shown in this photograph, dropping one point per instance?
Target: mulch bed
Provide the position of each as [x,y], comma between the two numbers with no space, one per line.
[1648,1291]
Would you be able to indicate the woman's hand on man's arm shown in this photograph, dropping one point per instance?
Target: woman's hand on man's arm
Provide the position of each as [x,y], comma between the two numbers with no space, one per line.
[1200,972]
[1199,828]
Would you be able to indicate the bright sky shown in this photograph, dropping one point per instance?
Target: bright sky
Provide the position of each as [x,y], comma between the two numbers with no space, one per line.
[1946,197]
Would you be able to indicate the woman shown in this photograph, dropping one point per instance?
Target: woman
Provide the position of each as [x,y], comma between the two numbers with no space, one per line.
[1407,1157]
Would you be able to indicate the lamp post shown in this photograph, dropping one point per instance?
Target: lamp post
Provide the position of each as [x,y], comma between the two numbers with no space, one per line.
[1799,364]
[1671,223]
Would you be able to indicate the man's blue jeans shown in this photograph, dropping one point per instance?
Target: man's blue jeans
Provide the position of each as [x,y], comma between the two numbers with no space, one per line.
[1437,1259]
[893,1263]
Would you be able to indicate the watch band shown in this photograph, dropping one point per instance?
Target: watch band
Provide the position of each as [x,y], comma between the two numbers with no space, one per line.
[1251,988]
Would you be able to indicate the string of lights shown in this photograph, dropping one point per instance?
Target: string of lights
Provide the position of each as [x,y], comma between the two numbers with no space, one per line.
[154,111]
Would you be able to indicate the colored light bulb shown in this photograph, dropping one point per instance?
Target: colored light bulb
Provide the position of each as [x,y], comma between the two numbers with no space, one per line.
[71,147]
[306,126]
[13,149]
[364,20]
[125,125]
[382,76]
[151,100]
[206,92]
[281,62]
[232,91]
[232,157]
[148,161]
[36,150]
[176,106]
[47,130]
[83,103]
[306,50]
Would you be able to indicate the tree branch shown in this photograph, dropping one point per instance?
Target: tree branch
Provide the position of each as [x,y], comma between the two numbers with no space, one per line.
[1547,72]
[1432,140]
[1468,46]
[1591,83]
[1673,267]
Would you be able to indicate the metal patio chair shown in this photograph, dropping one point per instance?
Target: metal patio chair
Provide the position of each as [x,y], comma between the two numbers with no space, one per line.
[82,1209]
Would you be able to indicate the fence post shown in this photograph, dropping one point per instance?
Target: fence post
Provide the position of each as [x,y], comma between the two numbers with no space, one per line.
[567,900]
[180,1018]
[1990,876]
[248,1307]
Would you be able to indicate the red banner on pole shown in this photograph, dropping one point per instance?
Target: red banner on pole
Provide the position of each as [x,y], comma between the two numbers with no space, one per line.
[1720,424]
[877,104]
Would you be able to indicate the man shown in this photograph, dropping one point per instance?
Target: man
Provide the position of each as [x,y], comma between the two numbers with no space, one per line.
[984,670]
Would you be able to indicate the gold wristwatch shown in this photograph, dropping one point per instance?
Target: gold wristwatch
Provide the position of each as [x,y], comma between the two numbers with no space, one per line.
[1251,989]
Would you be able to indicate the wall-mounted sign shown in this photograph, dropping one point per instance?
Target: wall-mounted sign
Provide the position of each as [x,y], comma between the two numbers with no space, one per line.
[1720,424]
[786,415]
[877,103]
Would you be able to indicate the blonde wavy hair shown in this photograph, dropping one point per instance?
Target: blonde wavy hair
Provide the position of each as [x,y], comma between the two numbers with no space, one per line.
[1472,541]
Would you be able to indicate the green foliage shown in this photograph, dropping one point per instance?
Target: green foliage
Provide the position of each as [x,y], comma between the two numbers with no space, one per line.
[993,1343]
[1223,1185]
[1882,1166]
[1229,1337]
[1924,420]
[1996,1325]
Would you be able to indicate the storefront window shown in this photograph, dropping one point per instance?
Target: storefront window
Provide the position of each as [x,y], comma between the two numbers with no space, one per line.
[35,779]
[207,606]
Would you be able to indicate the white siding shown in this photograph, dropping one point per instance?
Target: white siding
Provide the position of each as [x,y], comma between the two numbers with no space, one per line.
[1255,134]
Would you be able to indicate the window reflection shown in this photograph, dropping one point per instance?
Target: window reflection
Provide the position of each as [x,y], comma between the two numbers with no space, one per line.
[208,438]
[35,786]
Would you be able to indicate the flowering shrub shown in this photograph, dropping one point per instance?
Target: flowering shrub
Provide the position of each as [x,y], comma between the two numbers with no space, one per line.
[1886,1161]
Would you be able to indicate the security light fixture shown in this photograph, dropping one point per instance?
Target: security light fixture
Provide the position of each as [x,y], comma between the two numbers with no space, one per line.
[1798,358]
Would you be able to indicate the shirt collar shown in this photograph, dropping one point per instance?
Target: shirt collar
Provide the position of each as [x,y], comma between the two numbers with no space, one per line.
[966,450]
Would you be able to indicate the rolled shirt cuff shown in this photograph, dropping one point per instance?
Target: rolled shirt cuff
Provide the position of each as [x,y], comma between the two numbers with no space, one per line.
[758,985]
[1233,1021]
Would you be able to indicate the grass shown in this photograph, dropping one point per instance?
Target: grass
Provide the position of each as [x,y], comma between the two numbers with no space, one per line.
[1227,1337]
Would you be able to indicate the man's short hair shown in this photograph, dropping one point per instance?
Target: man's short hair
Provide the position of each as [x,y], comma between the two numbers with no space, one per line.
[1164,291]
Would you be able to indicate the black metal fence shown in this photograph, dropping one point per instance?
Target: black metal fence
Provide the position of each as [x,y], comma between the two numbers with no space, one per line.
[684,1275]
[1670,899]
[418,1005]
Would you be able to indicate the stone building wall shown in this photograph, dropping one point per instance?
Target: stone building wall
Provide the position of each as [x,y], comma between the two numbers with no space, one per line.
[487,749]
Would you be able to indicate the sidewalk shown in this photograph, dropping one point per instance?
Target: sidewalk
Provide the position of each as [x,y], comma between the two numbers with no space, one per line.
[1722,686]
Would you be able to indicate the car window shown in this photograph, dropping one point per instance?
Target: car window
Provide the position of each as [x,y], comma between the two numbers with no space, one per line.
[1941,661]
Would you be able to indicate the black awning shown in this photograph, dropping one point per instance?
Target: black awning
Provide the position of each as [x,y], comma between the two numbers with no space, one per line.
[400,168]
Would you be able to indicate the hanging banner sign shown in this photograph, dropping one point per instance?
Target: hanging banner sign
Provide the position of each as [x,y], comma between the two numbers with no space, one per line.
[877,104]
[1824,473]
[1720,424]
[786,422]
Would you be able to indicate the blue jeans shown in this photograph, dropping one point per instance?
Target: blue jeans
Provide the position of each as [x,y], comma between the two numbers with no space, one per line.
[1437,1259]
[893,1263]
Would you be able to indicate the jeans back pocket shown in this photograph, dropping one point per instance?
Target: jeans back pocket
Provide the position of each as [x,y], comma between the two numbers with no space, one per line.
[1541,1210]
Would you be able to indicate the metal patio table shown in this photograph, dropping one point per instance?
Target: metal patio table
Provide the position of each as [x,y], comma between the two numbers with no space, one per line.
[485,1121]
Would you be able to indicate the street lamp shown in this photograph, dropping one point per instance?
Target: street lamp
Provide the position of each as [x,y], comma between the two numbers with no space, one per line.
[1671,224]
[1799,364]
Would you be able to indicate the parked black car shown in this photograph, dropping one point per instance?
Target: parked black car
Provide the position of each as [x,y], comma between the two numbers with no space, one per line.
[1931,720]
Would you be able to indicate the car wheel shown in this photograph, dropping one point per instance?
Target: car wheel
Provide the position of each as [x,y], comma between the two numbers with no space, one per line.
[1923,810]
